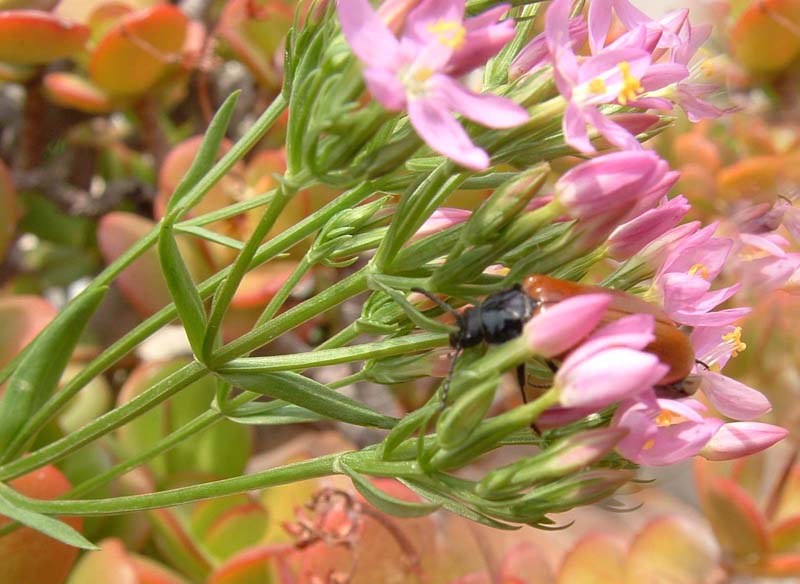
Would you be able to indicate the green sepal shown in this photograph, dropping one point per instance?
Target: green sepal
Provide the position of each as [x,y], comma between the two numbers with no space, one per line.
[385,502]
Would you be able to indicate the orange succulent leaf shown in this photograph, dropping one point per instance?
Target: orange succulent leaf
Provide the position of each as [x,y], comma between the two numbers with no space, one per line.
[738,525]
[75,92]
[781,566]
[176,543]
[27,555]
[594,559]
[9,209]
[23,317]
[671,549]
[136,52]
[34,37]
[785,536]
[142,283]
[257,565]
[755,178]
[764,38]
[255,36]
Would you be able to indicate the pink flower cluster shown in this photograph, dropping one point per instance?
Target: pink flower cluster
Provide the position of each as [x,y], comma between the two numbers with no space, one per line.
[647,67]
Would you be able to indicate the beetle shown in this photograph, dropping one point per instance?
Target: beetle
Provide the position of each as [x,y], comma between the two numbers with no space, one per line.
[502,315]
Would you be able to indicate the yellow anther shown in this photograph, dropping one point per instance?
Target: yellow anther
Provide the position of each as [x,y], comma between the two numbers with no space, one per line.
[649,444]
[450,33]
[665,418]
[735,338]
[631,86]
[422,74]
[699,269]
[598,86]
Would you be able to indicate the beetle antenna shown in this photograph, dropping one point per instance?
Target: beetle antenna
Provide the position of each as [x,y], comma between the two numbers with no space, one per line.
[440,303]
[699,362]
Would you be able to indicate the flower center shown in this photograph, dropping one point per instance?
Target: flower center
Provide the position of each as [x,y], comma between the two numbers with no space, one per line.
[734,339]
[449,33]
[665,418]
[631,86]
[414,80]
[598,86]
[699,269]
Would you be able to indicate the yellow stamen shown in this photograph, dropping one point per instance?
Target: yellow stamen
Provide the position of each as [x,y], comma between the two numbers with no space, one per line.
[649,444]
[422,74]
[699,269]
[665,418]
[735,338]
[598,86]
[449,33]
[631,86]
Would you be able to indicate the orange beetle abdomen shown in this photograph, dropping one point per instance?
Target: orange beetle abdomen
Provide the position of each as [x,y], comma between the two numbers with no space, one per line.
[671,345]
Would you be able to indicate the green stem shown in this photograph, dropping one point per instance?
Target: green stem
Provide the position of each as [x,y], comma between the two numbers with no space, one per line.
[297,362]
[106,423]
[125,345]
[259,336]
[285,290]
[226,290]
[290,473]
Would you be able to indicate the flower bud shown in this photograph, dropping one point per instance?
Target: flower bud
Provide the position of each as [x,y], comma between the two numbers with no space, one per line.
[738,439]
[631,237]
[581,489]
[567,456]
[561,327]
[402,368]
[504,205]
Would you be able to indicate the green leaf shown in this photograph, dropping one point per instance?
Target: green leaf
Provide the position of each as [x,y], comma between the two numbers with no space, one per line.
[206,155]
[385,502]
[457,507]
[182,288]
[311,395]
[406,427]
[458,422]
[47,525]
[40,370]
[272,414]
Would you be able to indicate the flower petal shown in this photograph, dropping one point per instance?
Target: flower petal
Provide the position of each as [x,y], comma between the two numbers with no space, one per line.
[366,34]
[733,398]
[440,130]
[487,109]
[739,439]
[560,327]
[386,88]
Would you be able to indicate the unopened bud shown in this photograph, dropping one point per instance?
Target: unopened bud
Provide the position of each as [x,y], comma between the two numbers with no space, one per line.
[504,205]
[565,457]
[582,489]
[402,368]
[460,419]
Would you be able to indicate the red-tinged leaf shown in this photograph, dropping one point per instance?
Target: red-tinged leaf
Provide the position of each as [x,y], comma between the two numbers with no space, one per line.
[75,92]
[27,4]
[785,536]
[789,505]
[236,529]
[205,513]
[136,53]
[142,283]
[737,523]
[781,566]
[257,565]
[178,546]
[524,563]
[671,550]
[31,37]
[109,565]
[594,559]
[262,283]
[282,503]
[752,178]
[255,38]
[9,210]
[764,39]
[22,551]
[151,572]
[220,451]
[23,317]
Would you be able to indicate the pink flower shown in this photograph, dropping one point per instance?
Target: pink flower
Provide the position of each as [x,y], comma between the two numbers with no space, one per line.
[610,366]
[558,328]
[683,283]
[631,237]
[663,431]
[441,219]
[739,439]
[418,71]
[535,55]
[714,346]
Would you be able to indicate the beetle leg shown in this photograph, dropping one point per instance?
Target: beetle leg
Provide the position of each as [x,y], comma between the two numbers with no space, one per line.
[521,381]
[446,384]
